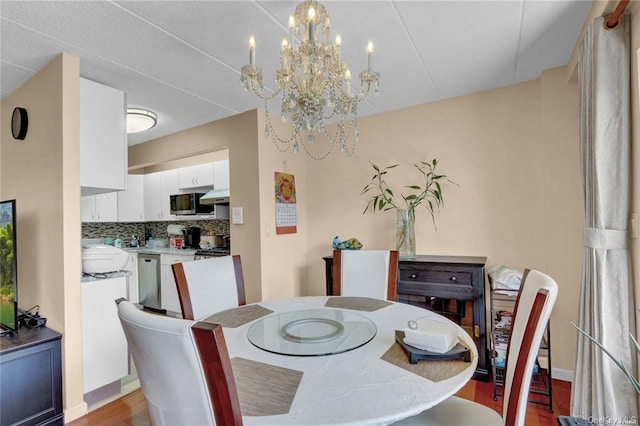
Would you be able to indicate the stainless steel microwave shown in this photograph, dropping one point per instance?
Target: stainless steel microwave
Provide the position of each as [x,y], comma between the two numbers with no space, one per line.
[188,204]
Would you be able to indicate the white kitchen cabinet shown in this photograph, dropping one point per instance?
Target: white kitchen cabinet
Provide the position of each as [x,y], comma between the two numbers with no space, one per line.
[152,196]
[168,289]
[196,176]
[157,189]
[131,201]
[88,208]
[221,174]
[103,139]
[104,346]
[99,208]
[133,293]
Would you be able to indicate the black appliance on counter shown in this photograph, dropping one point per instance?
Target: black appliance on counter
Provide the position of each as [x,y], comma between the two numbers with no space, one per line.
[191,237]
[212,252]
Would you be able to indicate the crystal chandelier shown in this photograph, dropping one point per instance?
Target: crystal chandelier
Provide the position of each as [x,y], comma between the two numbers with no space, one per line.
[315,85]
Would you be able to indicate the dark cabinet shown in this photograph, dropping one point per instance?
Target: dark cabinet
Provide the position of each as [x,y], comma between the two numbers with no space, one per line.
[31,378]
[452,286]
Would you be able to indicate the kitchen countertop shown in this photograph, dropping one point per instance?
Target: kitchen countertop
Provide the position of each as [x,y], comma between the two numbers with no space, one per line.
[160,250]
[109,275]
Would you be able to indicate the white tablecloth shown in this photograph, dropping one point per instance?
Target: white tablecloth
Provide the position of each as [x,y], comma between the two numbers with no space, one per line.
[355,387]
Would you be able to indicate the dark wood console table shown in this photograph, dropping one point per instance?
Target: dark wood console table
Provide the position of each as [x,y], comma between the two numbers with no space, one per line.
[31,378]
[452,286]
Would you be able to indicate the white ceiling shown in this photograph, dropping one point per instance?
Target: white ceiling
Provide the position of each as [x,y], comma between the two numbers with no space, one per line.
[182,59]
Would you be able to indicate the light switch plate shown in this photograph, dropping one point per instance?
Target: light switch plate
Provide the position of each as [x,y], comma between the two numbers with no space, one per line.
[236,216]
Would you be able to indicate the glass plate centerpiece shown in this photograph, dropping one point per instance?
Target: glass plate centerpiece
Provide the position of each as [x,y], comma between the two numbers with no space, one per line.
[312,332]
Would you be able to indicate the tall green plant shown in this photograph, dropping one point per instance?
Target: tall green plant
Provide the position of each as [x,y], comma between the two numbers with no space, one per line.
[429,193]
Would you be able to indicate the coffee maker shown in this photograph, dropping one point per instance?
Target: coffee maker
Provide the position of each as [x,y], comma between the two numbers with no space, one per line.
[192,237]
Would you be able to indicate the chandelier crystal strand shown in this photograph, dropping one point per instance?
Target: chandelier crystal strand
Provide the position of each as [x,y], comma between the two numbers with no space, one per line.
[268,130]
[313,83]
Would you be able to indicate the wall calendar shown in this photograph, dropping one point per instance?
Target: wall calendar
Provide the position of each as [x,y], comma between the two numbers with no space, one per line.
[286,207]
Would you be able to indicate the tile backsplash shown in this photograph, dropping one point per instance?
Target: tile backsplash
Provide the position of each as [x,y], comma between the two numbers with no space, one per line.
[157,229]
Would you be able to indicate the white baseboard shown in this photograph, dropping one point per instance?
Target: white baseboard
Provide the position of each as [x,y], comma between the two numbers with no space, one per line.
[72,413]
[562,374]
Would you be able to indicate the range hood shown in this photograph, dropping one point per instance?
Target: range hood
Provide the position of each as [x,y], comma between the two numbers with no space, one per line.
[215,196]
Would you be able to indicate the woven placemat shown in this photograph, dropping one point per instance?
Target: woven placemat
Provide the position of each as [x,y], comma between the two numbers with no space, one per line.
[356,303]
[238,316]
[435,370]
[264,389]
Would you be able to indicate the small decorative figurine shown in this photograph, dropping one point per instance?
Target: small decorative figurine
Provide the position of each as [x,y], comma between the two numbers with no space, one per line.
[350,244]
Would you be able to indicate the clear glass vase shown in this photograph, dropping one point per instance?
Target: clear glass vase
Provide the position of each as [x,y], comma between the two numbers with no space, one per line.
[405,233]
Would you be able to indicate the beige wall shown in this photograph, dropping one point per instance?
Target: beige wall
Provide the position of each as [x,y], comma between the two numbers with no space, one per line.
[284,256]
[239,135]
[513,151]
[42,174]
[562,207]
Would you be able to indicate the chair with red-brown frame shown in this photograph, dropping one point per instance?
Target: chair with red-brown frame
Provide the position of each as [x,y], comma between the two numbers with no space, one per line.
[209,285]
[537,295]
[184,368]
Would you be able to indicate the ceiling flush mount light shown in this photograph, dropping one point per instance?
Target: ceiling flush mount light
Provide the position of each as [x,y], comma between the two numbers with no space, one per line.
[139,120]
[315,85]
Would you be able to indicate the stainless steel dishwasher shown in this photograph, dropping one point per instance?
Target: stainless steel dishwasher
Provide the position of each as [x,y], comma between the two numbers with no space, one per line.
[149,280]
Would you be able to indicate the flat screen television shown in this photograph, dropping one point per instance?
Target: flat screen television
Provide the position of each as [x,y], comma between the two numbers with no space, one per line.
[8,267]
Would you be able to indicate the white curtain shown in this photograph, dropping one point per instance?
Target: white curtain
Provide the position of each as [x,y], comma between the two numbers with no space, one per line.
[600,390]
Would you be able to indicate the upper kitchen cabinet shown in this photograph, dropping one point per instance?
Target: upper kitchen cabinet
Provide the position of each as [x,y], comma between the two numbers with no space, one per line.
[131,201]
[99,208]
[157,189]
[103,139]
[197,176]
[221,174]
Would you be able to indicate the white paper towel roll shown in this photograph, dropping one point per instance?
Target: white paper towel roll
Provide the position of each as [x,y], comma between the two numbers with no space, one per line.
[175,229]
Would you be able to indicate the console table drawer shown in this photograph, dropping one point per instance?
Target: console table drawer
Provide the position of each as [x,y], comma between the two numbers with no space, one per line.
[437,289]
[441,275]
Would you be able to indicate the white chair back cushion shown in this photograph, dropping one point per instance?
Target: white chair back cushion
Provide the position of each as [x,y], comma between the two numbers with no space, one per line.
[364,273]
[212,285]
[170,372]
[534,282]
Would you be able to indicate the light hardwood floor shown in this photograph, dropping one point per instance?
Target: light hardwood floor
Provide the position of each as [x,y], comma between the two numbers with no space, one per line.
[131,410]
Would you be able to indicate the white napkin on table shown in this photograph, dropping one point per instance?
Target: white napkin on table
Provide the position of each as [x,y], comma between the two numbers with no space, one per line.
[432,335]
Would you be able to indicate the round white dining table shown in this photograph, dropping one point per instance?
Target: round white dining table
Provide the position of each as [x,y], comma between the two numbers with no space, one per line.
[356,387]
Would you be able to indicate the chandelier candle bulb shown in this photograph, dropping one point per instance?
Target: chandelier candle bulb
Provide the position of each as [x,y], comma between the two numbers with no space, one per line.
[338,45]
[327,28]
[284,52]
[292,25]
[312,24]
[369,55]
[347,77]
[252,50]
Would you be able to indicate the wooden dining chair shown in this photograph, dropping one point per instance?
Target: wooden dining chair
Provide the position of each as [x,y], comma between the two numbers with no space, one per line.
[533,307]
[210,285]
[365,273]
[184,368]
